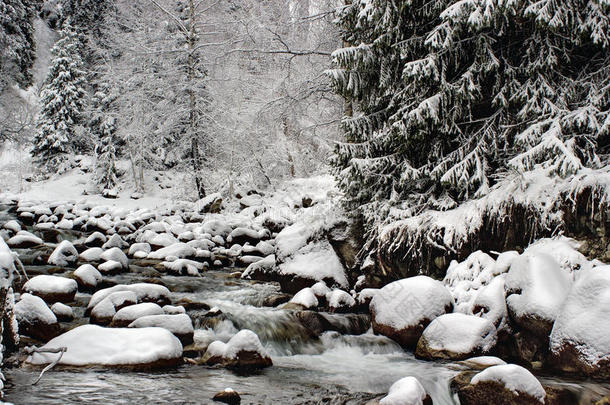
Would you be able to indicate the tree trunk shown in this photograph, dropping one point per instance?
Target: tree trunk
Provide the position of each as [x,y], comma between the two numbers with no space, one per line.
[192,65]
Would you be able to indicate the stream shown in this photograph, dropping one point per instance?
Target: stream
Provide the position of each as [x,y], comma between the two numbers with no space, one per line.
[333,369]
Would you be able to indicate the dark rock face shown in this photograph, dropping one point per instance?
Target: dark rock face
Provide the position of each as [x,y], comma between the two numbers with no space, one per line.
[228,397]
[347,238]
[39,330]
[276,299]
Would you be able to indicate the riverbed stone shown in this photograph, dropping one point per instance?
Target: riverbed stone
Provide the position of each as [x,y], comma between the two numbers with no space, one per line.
[228,396]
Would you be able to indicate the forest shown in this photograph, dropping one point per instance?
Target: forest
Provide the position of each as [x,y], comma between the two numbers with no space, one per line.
[305,201]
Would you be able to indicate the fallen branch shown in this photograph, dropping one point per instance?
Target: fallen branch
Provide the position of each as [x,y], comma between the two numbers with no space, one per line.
[60,350]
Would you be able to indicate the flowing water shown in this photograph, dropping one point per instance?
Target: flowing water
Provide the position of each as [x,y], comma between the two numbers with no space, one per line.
[333,369]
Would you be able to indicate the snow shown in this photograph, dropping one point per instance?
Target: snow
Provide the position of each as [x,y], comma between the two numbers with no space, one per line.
[88,275]
[12,226]
[180,250]
[515,378]
[485,361]
[44,284]
[542,283]
[62,310]
[492,303]
[64,254]
[94,345]
[33,309]
[133,312]
[174,310]
[115,241]
[24,237]
[106,308]
[460,333]
[143,291]
[163,239]
[117,255]
[177,324]
[93,254]
[306,298]
[404,303]
[64,224]
[179,266]
[584,320]
[96,237]
[267,265]
[244,340]
[139,250]
[110,267]
[340,299]
[291,239]
[318,262]
[320,289]
[406,391]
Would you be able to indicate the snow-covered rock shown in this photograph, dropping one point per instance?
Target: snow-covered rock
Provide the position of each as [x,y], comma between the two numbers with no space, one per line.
[261,270]
[406,391]
[110,267]
[12,226]
[65,224]
[174,309]
[456,336]
[139,250]
[506,384]
[580,339]
[63,312]
[180,325]
[35,318]
[161,240]
[183,267]
[93,345]
[536,287]
[128,314]
[180,250]
[24,239]
[490,303]
[145,292]
[65,254]
[96,239]
[402,309]
[93,254]
[87,276]
[116,255]
[115,241]
[243,351]
[103,312]
[52,288]
[305,298]
[340,301]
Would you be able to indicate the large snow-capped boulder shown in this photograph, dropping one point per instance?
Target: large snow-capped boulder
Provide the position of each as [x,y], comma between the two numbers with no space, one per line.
[96,239]
[35,318]
[508,384]
[65,254]
[103,312]
[182,267]
[340,301]
[128,314]
[93,254]
[179,250]
[63,312]
[115,241]
[179,324]
[304,299]
[139,250]
[145,292]
[580,339]
[536,287]
[24,239]
[243,351]
[402,309]
[406,391]
[52,288]
[456,337]
[87,277]
[89,345]
[116,255]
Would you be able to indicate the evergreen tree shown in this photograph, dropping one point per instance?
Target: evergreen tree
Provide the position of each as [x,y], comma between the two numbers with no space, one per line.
[63,101]
[17,45]
[106,174]
[449,96]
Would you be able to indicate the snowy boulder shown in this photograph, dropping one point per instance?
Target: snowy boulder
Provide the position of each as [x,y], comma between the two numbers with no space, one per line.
[402,309]
[91,345]
[110,267]
[321,290]
[65,254]
[180,325]
[304,299]
[65,224]
[139,250]
[35,318]
[339,301]
[24,239]
[145,292]
[183,267]
[364,297]
[12,226]
[209,204]
[116,255]
[241,236]
[536,287]
[174,309]
[228,396]
[87,277]
[128,314]
[456,337]
[503,384]
[63,312]
[115,241]
[483,362]
[318,262]
[93,254]
[263,270]
[96,239]
[161,240]
[243,351]
[580,339]
[103,312]
[406,391]
[180,250]
[490,303]
[52,288]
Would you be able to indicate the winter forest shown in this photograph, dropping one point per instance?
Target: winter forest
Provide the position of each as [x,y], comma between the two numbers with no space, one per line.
[305,202]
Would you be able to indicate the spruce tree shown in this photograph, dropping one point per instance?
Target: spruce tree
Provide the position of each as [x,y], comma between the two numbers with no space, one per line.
[450,96]
[17,44]
[63,102]
[106,175]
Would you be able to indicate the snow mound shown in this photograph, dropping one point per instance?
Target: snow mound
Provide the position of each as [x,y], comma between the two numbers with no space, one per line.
[514,378]
[24,239]
[125,316]
[145,292]
[306,298]
[32,309]
[180,250]
[94,345]
[457,336]
[406,391]
[319,262]
[116,255]
[87,275]
[64,254]
[52,288]
[340,301]
[93,254]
